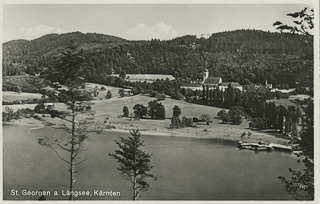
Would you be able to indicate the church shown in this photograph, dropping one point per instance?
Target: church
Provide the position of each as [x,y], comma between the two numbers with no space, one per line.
[212,82]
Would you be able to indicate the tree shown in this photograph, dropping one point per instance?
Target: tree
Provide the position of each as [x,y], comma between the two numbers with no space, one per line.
[109,95]
[206,118]
[235,115]
[303,22]
[125,111]
[301,184]
[134,163]
[140,110]
[76,120]
[122,74]
[225,118]
[156,110]
[17,89]
[121,92]
[161,96]
[221,113]
[176,111]
[242,135]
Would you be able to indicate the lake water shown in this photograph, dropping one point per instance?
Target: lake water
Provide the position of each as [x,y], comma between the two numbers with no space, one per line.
[190,169]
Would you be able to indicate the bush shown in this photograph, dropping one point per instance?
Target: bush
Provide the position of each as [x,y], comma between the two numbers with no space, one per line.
[235,115]
[109,95]
[187,122]
[176,111]
[40,108]
[17,89]
[161,96]
[156,110]
[222,113]
[177,96]
[206,118]
[176,122]
[125,111]
[140,110]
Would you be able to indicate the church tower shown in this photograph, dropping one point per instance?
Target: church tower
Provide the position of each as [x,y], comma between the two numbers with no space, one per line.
[205,75]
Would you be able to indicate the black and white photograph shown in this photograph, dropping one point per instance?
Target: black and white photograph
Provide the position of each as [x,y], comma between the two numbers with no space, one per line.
[160,101]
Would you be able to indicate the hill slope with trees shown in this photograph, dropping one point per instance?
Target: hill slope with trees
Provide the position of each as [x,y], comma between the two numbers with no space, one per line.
[243,56]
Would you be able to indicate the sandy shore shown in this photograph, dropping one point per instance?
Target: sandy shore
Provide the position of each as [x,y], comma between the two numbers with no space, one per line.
[195,132]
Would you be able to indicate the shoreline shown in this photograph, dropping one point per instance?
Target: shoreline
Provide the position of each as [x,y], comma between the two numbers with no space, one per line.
[194,133]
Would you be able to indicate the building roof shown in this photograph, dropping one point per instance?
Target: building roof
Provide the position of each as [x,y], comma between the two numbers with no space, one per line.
[212,80]
[146,77]
[233,84]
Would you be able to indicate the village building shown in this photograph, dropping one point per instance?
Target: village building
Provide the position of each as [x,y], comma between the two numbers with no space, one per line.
[210,82]
[223,86]
[146,77]
[268,86]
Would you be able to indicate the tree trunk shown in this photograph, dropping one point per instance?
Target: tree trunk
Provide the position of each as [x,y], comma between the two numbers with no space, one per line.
[72,155]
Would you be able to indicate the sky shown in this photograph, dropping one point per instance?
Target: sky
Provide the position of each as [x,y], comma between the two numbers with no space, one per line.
[140,21]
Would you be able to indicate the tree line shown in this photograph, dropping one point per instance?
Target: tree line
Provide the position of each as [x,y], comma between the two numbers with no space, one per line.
[242,56]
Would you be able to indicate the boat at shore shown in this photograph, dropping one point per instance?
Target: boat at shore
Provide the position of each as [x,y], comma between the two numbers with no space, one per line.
[279,147]
[260,146]
[254,146]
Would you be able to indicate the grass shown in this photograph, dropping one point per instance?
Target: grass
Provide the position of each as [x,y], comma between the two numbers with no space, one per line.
[111,109]
[9,96]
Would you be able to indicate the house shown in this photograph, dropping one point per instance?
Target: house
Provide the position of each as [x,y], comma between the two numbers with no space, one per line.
[223,86]
[212,81]
[268,86]
[127,92]
[146,77]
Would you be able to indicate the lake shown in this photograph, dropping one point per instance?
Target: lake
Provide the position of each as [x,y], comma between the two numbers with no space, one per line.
[189,169]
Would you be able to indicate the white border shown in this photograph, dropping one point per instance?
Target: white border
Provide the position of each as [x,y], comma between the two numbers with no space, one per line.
[316,78]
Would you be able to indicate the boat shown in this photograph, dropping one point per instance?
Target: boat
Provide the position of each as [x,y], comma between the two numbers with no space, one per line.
[254,146]
[279,147]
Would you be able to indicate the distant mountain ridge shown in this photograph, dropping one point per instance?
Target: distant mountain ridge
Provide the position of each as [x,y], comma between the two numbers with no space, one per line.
[242,56]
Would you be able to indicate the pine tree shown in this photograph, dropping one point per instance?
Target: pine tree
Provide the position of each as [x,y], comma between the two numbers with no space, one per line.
[77,119]
[134,163]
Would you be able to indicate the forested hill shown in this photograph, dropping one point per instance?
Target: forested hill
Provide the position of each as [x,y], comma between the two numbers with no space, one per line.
[244,56]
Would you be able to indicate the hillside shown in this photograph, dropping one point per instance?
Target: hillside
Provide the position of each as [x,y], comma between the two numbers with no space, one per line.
[244,56]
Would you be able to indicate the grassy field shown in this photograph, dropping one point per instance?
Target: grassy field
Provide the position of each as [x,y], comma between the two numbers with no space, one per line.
[9,96]
[111,110]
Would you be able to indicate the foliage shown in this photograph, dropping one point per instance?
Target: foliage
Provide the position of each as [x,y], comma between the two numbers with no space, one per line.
[206,118]
[125,111]
[221,113]
[232,55]
[156,110]
[40,108]
[301,183]
[121,92]
[122,74]
[77,118]
[30,84]
[225,118]
[9,114]
[303,22]
[187,122]
[135,163]
[161,96]
[109,95]
[140,110]
[176,111]
[235,115]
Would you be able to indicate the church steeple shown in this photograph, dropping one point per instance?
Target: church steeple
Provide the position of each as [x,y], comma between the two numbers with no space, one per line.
[205,75]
